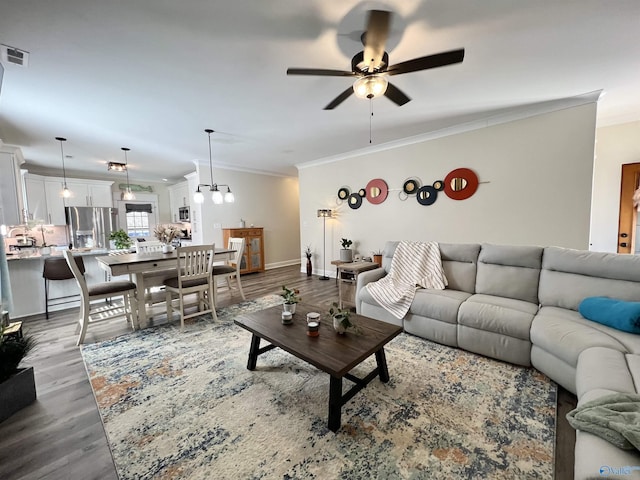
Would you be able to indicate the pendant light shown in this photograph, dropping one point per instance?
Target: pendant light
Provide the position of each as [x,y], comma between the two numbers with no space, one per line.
[127,194]
[66,193]
[216,195]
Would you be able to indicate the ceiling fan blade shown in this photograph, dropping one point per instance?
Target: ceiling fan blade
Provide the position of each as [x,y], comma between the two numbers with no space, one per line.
[319,71]
[396,95]
[376,38]
[424,63]
[339,99]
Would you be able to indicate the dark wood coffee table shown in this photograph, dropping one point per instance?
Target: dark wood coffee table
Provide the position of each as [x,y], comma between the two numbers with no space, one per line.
[332,353]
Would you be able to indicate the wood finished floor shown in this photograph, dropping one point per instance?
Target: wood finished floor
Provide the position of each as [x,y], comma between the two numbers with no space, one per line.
[60,436]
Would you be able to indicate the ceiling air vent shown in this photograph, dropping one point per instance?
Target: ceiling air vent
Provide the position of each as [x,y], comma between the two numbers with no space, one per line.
[14,55]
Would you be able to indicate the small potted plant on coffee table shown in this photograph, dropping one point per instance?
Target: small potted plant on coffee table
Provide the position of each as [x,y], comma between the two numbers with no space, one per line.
[291,298]
[341,320]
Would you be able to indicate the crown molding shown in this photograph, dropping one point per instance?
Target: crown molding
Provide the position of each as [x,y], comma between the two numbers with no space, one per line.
[518,113]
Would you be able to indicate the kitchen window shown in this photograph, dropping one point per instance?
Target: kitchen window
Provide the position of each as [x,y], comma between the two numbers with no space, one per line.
[138,219]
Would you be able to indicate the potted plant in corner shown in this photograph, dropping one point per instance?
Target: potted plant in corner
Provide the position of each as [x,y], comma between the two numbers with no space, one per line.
[121,239]
[291,298]
[341,318]
[377,257]
[346,254]
[17,385]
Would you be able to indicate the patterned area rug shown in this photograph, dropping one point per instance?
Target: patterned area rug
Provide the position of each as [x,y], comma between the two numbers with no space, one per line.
[183,405]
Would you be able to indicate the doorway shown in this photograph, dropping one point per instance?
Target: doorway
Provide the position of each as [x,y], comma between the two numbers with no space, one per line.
[628,219]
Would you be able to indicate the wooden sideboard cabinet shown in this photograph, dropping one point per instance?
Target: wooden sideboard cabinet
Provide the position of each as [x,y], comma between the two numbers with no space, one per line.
[253,256]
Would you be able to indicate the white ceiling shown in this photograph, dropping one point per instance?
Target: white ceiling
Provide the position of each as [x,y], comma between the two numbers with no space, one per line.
[151,75]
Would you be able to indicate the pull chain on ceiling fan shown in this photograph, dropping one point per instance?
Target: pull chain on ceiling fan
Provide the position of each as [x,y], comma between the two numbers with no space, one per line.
[371,66]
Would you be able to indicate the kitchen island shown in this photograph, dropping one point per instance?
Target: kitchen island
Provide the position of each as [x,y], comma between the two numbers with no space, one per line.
[27,284]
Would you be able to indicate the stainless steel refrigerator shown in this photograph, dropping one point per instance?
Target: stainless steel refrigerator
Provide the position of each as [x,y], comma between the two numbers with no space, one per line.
[90,227]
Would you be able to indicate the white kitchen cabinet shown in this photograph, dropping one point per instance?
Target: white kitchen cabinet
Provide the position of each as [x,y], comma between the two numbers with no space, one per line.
[11,195]
[178,197]
[55,203]
[36,198]
[89,193]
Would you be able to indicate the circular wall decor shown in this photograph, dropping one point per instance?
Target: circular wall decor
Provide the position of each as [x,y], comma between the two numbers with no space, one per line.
[438,185]
[362,192]
[377,191]
[411,186]
[354,201]
[460,184]
[426,195]
[343,193]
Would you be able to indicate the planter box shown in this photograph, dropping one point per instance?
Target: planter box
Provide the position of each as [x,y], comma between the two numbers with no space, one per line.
[17,392]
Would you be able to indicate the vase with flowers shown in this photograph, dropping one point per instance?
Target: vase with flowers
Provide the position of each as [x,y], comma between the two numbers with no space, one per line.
[309,254]
[167,234]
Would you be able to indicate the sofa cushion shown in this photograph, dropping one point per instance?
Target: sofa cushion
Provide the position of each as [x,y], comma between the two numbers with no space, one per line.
[460,263]
[596,458]
[568,276]
[440,305]
[601,368]
[511,271]
[612,312]
[505,316]
[567,334]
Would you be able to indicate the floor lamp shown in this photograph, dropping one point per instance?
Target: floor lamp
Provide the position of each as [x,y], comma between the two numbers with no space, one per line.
[324,213]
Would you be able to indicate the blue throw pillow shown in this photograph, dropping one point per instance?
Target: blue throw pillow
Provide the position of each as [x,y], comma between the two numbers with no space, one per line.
[618,314]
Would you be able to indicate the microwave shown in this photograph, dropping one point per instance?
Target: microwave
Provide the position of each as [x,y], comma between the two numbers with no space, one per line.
[183,214]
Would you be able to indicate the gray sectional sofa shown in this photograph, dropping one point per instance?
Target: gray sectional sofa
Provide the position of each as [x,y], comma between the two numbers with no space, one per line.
[520,304]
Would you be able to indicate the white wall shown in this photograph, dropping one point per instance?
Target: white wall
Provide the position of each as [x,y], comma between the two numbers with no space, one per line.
[615,146]
[266,201]
[536,176]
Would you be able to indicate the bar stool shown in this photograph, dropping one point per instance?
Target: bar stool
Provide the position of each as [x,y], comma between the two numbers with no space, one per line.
[56,268]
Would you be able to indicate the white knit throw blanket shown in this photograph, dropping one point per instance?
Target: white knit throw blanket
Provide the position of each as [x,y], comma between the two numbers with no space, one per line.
[413,265]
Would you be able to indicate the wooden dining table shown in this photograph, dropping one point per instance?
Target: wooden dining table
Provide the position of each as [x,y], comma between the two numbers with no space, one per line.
[147,269]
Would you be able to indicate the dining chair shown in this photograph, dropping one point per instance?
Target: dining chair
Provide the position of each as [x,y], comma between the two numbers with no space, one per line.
[56,268]
[153,283]
[194,275]
[92,312]
[231,269]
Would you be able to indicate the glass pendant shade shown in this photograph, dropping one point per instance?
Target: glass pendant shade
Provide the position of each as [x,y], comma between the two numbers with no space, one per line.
[127,194]
[216,196]
[198,197]
[229,197]
[65,193]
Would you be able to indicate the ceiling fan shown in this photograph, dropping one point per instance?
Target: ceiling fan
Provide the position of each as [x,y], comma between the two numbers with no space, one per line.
[371,66]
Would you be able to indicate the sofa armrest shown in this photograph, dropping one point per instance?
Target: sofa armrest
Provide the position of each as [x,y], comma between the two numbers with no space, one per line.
[367,277]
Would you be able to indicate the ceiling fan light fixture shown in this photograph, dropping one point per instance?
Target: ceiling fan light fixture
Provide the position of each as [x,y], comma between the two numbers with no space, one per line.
[370,86]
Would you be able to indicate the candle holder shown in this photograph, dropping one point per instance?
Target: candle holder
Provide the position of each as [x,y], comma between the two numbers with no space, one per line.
[313,324]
